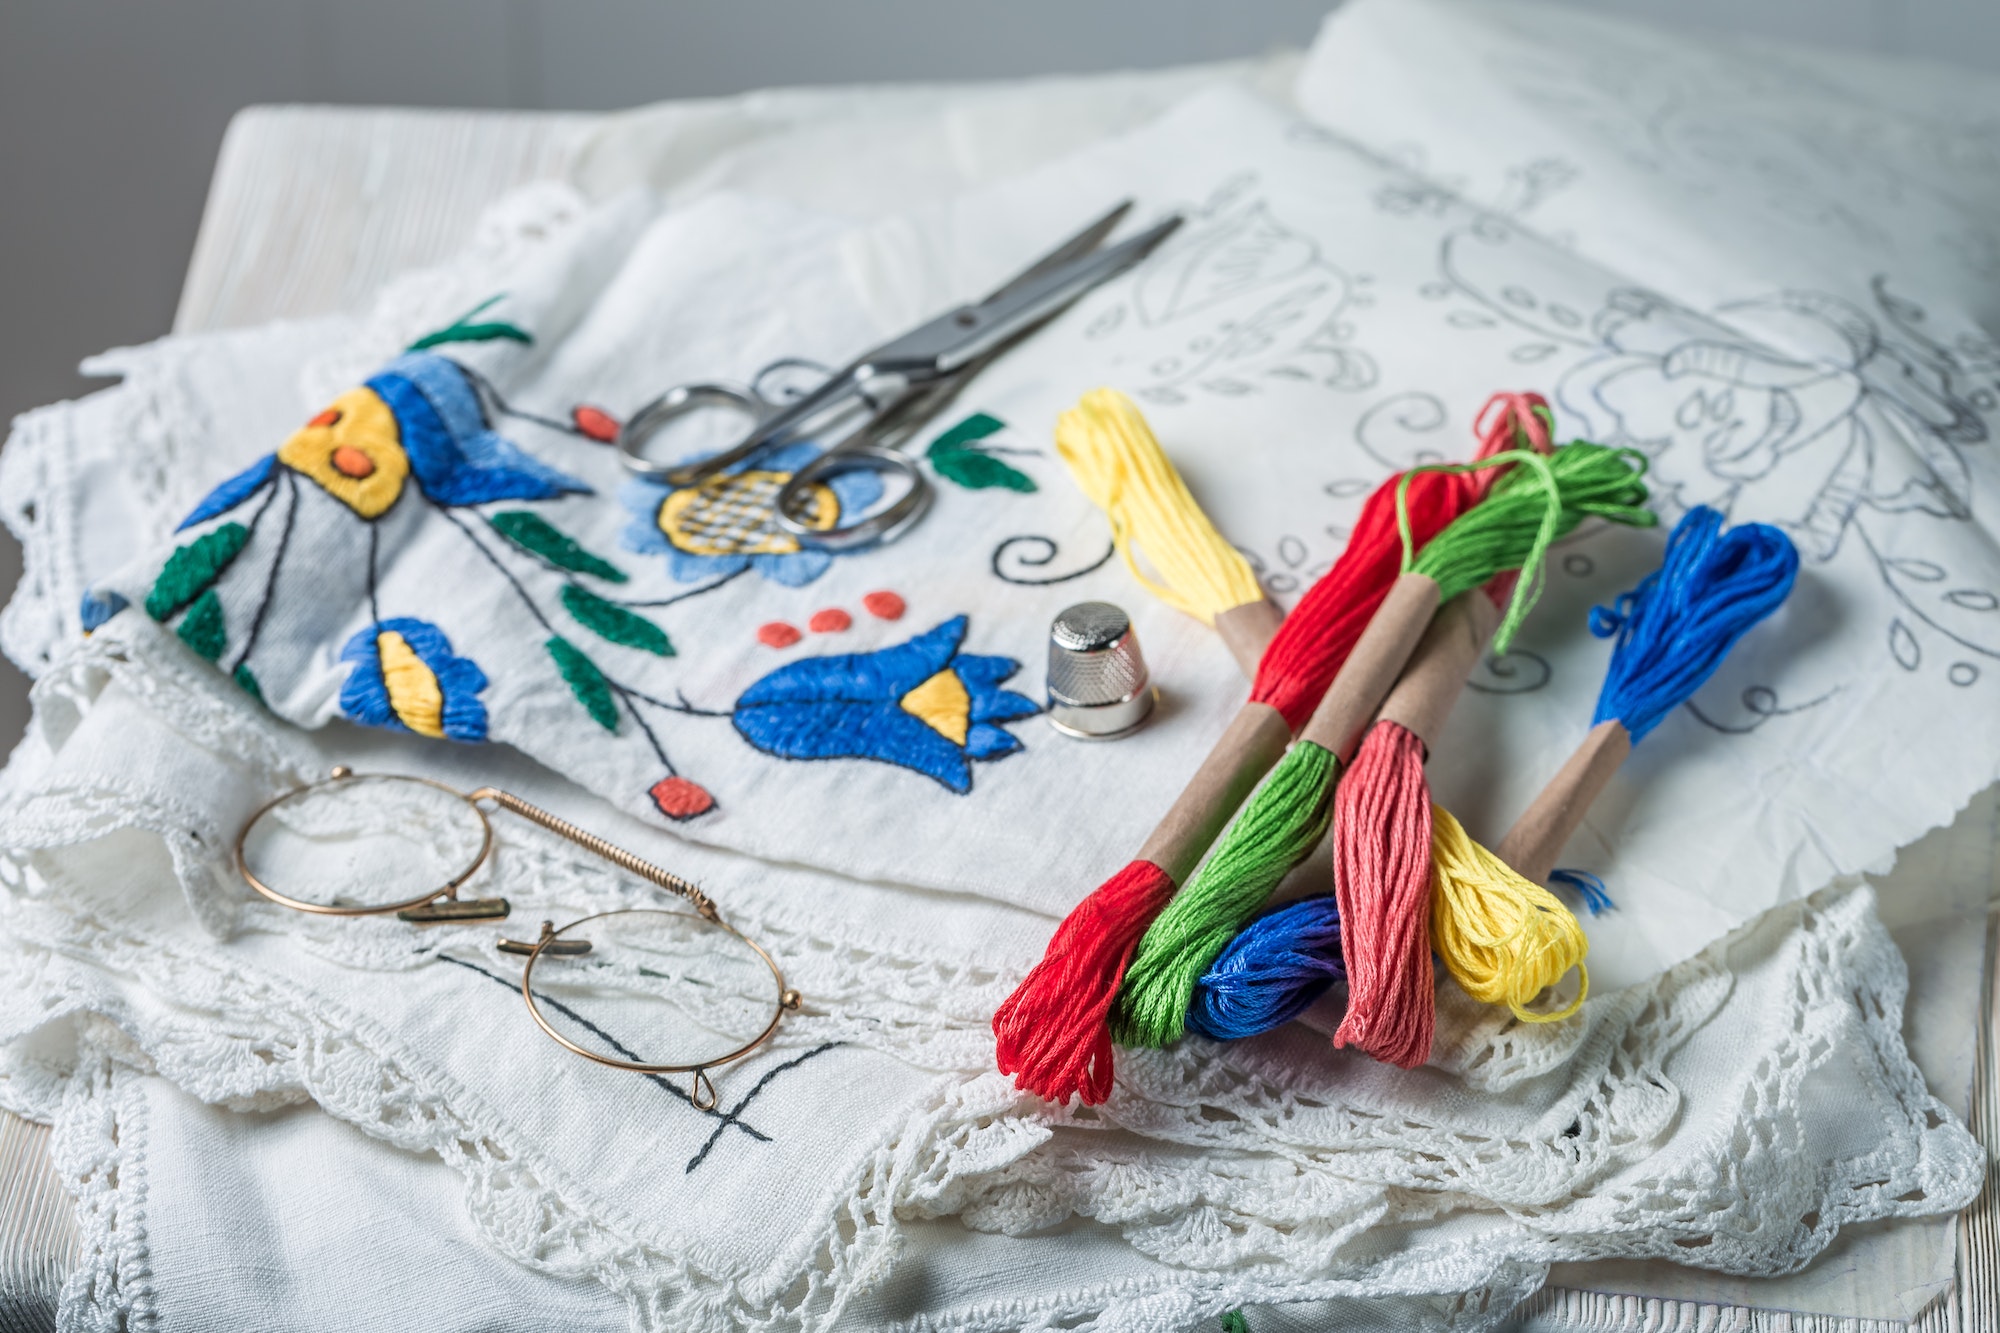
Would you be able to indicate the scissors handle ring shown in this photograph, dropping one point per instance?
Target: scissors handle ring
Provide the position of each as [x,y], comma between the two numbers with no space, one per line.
[677,402]
[884,525]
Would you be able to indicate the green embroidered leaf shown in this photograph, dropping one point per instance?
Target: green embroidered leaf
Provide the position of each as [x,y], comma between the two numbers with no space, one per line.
[537,536]
[608,620]
[193,567]
[247,682]
[473,333]
[956,459]
[202,628]
[1234,1322]
[585,681]
[460,331]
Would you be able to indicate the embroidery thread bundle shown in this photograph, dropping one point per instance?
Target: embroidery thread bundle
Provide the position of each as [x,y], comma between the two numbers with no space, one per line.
[1119,465]
[1500,934]
[1052,1033]
[1285,820]
[1383,827]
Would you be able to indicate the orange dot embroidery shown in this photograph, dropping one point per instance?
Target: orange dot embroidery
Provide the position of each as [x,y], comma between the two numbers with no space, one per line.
[330,417]
[884,605]
[351,462]
[830,621]
[777,634]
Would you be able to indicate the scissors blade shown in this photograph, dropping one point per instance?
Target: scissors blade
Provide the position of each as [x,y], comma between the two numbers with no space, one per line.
[992,324]
[1076,247]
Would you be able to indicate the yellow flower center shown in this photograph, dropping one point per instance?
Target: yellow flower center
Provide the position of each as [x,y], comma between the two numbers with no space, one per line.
[942,704]
[353,451]
[733,515]
[414,693]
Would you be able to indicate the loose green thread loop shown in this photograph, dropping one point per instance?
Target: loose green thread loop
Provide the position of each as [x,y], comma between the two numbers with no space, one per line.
[202,629]
[1279,827]
[1234,1322]
[538,537]
[1538,501]
[585,681]
[193,567]
[608,620]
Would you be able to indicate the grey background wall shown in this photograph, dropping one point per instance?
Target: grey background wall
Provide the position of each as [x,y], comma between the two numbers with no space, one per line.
[111,110]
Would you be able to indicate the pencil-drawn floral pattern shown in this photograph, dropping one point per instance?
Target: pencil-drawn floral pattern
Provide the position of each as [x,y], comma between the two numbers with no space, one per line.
[1237,300]
[1758,402]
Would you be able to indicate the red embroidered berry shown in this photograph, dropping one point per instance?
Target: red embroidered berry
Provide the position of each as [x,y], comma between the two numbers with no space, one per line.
[594,422]
[777,634]
[830,621]
[884,605]
[677,798]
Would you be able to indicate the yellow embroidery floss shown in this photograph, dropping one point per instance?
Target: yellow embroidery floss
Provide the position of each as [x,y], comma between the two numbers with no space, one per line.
[1118,463]
[1505,939]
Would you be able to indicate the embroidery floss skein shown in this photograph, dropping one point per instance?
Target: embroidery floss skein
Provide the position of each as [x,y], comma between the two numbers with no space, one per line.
[1118,463]
[1051,1034]
[1500,934]
[1383,825]
[1287,817]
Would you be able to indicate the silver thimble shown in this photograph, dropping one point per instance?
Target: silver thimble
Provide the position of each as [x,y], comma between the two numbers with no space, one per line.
[1098,688]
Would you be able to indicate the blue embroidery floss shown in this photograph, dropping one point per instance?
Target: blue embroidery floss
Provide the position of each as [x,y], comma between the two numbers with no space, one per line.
[1674,629]
[1271,972]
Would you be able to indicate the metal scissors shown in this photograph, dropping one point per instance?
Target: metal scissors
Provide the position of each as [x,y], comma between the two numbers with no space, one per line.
[894,388]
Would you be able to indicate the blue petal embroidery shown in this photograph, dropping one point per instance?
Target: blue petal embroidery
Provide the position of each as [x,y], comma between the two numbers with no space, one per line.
[850,707]
[231,493]
[456,459]
[99,607]
[364,696]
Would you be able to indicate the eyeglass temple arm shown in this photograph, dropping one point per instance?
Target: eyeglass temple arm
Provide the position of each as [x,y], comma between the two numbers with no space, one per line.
[618,856]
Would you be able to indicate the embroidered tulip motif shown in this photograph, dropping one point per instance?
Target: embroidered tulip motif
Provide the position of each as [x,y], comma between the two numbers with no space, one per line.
[405,677]
[921,705]
[726,524]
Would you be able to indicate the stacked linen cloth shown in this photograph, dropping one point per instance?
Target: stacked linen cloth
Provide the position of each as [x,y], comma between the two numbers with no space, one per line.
[1267,1171]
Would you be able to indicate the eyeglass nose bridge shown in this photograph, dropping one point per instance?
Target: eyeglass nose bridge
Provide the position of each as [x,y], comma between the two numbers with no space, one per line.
[548,944]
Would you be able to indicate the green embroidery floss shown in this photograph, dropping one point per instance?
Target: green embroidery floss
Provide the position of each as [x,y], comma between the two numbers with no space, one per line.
[608,620]
[1202,918]
[1513,527]
[193,567]
[202,629]
[538,537]
[247,682]
[585,681]
[1282,823]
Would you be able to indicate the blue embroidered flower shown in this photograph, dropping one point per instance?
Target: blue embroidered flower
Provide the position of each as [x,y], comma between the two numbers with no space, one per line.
[406,678]
[725,524]
[921,705]
[420,416]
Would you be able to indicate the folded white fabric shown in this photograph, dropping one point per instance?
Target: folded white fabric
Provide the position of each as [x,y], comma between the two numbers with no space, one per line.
[1709,1116]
